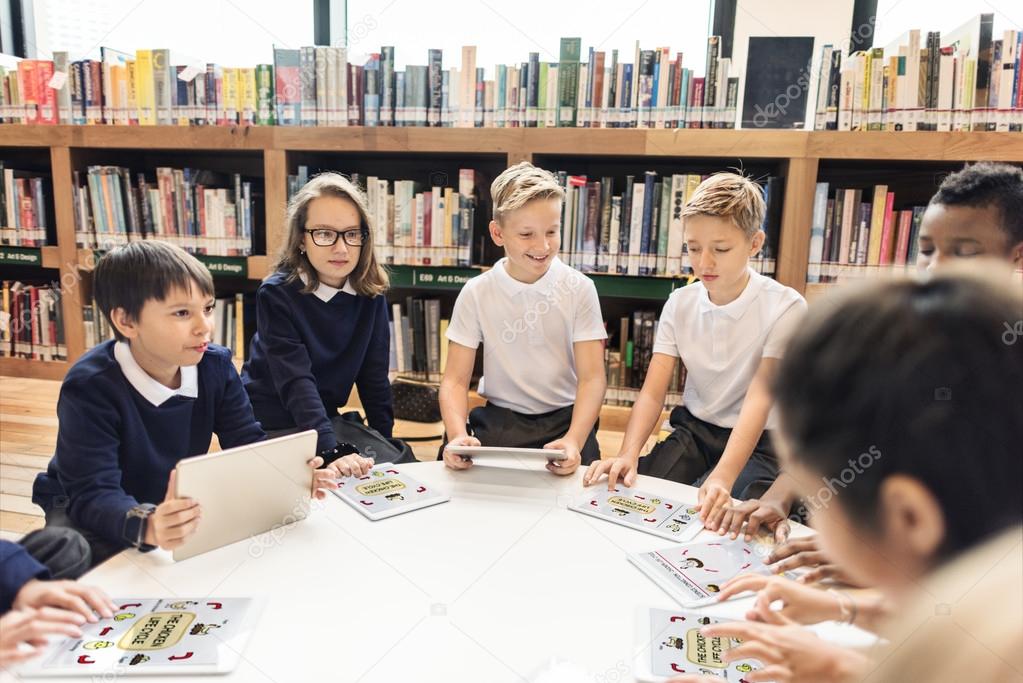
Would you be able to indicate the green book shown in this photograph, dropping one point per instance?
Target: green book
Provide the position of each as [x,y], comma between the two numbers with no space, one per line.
[568,80]
[265,110]
[541,100]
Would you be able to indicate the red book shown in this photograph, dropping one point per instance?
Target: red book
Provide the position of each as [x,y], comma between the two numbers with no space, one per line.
[905,227]
[33,321]
[886,232]
[428,226]
[26,208]
[696,118]
[47,95]
[28,83]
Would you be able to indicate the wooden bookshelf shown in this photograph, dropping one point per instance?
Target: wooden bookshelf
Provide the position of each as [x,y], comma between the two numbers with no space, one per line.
[797,154]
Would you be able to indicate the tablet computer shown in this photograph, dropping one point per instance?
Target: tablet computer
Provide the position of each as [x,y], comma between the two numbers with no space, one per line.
[227,485]
[537,454]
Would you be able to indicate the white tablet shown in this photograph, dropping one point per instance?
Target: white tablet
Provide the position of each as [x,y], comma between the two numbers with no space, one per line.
[247,490]
[199,635]
[520,454]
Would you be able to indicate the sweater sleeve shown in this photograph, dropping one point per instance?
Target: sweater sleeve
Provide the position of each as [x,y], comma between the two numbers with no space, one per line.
[372,381]
[234,423]
[290,366]
[17,568]
[87,462]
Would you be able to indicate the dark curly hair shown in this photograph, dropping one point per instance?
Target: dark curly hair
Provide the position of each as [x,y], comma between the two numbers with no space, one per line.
[987,184]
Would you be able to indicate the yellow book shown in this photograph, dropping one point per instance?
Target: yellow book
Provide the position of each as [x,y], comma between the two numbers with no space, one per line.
[239,328]
[117,91]
[145,95]
[443,345]
[131,101]
[876,225]
[230,106]
[247,101]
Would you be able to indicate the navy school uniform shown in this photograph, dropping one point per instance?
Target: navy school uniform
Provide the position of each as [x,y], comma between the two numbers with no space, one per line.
[310,350]
[121,433]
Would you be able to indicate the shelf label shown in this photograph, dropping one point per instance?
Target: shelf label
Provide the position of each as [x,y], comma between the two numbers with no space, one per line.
[226,266]
[20,256]
[441,278]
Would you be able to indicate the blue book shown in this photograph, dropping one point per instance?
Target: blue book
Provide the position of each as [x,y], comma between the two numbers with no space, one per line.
[627,95]
[649,178]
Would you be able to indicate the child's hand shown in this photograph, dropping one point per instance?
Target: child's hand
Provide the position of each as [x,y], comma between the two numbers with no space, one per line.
[805,552]
[800,604]
[789,653]
[455,461]
[756,513]
[68,595]
[323,478]
[31,626]
[713,496]
[351,465]
[174,520]
[622,467]
[572,457]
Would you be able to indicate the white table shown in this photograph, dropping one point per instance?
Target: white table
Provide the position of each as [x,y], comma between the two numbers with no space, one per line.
[490,586]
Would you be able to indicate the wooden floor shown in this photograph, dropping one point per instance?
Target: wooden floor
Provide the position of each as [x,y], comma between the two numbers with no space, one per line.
[28,434]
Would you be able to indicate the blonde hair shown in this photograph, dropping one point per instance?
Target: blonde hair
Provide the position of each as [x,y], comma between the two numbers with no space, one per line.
[521,184]
[368,278]
[732,196]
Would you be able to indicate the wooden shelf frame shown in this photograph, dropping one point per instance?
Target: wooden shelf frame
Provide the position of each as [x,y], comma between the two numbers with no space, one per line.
[798,154]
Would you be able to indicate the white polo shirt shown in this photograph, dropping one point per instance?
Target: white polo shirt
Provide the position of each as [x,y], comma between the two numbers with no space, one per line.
[721,346]
[527,333]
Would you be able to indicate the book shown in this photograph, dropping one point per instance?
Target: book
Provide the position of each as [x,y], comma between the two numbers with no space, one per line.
[386,491]
[654,514]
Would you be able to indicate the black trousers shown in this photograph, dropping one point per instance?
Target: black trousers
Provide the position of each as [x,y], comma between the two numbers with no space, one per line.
[497,426]
[693,449]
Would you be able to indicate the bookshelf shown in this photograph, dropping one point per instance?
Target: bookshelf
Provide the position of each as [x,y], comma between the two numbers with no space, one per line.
[269,154]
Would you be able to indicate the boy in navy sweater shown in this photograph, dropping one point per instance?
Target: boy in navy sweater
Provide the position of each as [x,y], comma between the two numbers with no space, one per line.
[131,408]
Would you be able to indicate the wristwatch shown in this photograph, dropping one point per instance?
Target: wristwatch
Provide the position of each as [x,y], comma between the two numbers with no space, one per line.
[135,522]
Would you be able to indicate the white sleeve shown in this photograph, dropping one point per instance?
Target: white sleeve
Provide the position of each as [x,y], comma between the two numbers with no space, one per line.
[589,323]
[784,327]
[666,341]
[464,326]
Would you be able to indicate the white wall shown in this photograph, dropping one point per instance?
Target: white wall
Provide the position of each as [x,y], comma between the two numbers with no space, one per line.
[828,21]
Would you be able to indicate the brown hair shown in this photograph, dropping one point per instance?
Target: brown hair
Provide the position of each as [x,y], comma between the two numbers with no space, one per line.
[729,195]
[520,184]
[368,278]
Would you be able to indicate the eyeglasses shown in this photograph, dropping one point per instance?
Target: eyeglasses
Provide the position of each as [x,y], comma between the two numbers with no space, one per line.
[324,237]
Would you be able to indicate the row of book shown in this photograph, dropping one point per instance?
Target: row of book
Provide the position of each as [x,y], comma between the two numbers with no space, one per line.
[857,232]
[320,86]
[23,207]
[963,80]
[415,224]
[31,322]
[640,232]
[228,327]
[201,211]
[627,358]
[419,347]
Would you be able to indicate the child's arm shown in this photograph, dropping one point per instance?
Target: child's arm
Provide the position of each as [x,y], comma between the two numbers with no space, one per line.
[715,493]
[645,414]
[234,423]
[589,396]
[374,386]
[290,366]
[454,401]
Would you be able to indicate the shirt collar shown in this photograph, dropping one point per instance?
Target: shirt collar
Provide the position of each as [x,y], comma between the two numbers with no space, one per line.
[325,292]
[149,388]
[734,309]
[511,286]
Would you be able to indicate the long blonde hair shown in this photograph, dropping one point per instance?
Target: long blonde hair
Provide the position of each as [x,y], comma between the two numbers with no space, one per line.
[368,278]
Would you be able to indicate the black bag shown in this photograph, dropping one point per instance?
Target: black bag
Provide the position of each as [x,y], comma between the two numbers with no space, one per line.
[350,428]
[415,401]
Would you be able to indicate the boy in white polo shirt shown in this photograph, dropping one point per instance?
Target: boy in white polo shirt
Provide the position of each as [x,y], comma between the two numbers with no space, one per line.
[543,336]
[729,329]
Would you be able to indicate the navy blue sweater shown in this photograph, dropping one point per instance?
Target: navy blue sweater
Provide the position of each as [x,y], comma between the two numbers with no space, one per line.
[17,568]
[115,449]
[307,354]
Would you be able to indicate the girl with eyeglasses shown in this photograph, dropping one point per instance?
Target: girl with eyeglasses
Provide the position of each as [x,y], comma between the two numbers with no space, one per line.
[322,328]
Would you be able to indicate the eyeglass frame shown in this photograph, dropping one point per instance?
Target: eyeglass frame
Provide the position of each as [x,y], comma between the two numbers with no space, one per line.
[339,234]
